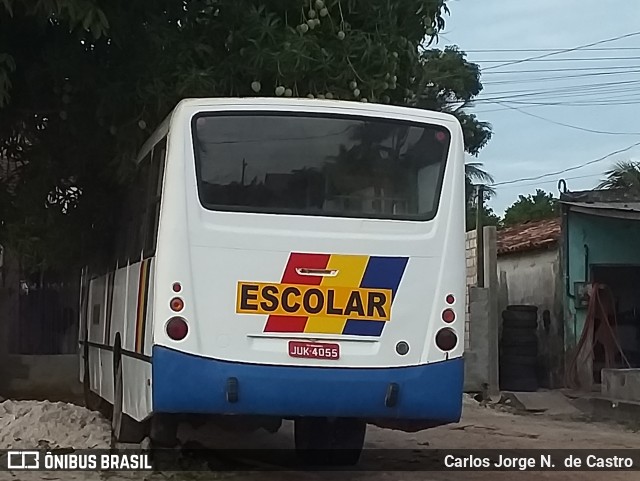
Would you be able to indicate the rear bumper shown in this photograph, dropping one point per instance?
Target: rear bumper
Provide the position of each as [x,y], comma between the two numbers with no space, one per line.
[184,383]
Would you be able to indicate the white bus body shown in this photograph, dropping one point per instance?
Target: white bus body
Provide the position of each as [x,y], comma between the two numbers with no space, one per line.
[316,249]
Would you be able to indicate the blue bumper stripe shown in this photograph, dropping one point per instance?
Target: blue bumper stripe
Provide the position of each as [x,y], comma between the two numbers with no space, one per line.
[184,383]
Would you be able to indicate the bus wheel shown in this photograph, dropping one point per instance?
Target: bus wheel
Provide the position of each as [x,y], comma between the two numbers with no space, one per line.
[323,441]
[164,431]
[123,428]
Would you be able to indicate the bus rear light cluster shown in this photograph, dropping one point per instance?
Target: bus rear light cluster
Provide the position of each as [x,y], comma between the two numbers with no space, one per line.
[448,315]
[446,339]
[177,328]
[176,304]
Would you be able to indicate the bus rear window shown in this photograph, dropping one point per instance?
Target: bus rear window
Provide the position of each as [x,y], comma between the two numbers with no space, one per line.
[339,166]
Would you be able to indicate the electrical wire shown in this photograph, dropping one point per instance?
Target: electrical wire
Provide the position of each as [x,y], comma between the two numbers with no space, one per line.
[567,90]
[524,50]
[571,59]
[553,181]
[575,127]
[568,169]
[570,69]
[566,50]
[599,103]
[556,77]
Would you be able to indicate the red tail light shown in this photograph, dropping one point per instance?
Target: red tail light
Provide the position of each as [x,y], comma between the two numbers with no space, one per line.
[446,339]
[176,287]
[177,328]
[450,299]
[448,315]
[176,304]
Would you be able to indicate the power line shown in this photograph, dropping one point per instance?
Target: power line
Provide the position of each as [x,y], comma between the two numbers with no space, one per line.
[568,69]
[601,103]
[557,77]
[622,97]
[569,169]
[524,50]
[563,97]
[566,50]
[572,90]
[565,125]
[575,177]
[571,59]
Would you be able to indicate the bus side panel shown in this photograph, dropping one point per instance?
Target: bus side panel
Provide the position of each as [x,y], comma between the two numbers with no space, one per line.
[136,340]
[128,334]
[149,307]
[136,375]
[82,324]
[105,374]
[95,323]
[119,312]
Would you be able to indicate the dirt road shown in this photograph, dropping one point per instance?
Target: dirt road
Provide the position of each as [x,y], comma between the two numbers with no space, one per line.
[481,427]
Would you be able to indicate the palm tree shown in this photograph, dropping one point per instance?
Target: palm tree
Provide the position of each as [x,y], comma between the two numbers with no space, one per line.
[624,175]
[474,174]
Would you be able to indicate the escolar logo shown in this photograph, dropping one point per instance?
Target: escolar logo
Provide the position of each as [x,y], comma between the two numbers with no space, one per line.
[357,300]
[295,300]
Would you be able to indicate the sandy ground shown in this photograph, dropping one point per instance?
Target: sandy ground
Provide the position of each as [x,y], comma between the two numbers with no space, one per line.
[481,427]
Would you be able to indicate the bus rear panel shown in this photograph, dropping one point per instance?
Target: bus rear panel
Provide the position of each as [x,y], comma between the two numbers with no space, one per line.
[310,263]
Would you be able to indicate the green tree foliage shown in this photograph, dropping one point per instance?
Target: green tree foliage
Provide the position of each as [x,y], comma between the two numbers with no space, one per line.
[624,175]
[538,206]
[474,175]
[489,217]
[84,82]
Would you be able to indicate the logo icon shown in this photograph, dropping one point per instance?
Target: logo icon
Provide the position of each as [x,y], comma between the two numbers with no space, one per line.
[353,297]
[23,460]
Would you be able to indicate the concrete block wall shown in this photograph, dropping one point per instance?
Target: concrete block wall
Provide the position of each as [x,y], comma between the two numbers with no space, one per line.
[472,278]
[481,326]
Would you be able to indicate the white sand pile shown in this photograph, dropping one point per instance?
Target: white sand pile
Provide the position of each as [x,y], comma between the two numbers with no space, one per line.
[48,425]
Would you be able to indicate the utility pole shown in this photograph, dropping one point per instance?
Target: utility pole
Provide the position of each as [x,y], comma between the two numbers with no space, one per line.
[480,237]
[244,168]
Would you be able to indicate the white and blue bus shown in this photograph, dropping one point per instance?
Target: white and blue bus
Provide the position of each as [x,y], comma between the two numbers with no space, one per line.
[284,259]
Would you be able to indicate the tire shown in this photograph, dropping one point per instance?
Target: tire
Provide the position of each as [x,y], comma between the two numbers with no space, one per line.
[163,431]
[523,308]
[325,442]
[518,360]
[517,371]
[524,384]
[519,337]
[519,320]
[123,428]
[530,350]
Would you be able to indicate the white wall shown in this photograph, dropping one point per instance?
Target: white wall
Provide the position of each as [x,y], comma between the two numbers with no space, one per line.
[531,277]
[535,277]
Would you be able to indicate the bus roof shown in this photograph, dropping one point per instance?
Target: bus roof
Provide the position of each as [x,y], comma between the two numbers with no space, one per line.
[300,104]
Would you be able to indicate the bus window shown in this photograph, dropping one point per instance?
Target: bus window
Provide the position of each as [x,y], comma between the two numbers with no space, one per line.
[320,165]
[152,211]
[137,203]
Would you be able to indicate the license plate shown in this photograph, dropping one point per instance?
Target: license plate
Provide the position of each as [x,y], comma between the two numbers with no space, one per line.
[314,350]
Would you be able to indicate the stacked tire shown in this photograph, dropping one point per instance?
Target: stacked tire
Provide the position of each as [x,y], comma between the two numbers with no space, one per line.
[519,349]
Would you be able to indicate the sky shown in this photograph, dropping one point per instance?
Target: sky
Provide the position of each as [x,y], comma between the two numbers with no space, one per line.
[593,89]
